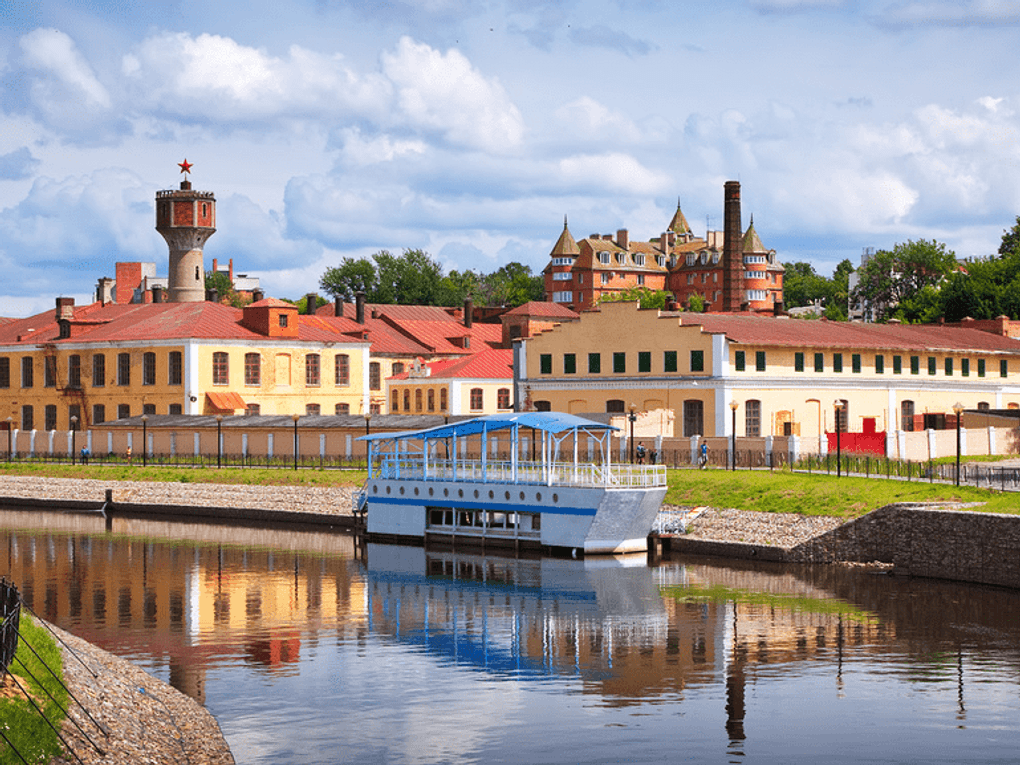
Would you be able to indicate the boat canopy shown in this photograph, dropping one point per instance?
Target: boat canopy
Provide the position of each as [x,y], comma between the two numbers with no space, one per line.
[549,422]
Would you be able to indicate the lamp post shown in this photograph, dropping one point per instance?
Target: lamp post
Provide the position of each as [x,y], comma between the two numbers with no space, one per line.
[958,410]
[145,441]
[219,440]
[733,436]
[838,406]
[368,422]
[295,417]
[632,418]
[74,438]
[10,433]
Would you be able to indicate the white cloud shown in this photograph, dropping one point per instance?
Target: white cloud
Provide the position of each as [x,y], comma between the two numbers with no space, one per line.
[968,13]
[613,172]
[358,151]
[445,93]
[586,118]
[55,53]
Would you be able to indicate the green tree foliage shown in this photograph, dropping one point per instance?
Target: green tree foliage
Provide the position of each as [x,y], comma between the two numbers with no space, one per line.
[802,286]
[695,303]
[350,277]
[894,277]
[511,285]
[645,297]
[1010,244]
[220,281]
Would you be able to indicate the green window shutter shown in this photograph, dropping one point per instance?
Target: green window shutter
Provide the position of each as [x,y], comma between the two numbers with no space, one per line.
[819,362]
[619,363]
[949,367]
[837,362]
[738,361]
[981,367]
[759,361]
[1003,368]
[915,365]
[569,363]
[594,363]
[798,362]
[669,361]
[932,362]
[879,364]
[965,367]
[545,361]
[697,361]
[644,361]
[855,363]
[897,365]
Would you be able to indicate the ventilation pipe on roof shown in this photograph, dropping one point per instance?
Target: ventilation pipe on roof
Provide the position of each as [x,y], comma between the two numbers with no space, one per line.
[65,308]
[338,306]
[157,294]
[469,307]
[213,296]
[257,295]
[359,306]
[311,303]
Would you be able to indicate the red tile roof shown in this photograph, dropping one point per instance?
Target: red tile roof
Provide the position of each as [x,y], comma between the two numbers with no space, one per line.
[490,364]
[540,309]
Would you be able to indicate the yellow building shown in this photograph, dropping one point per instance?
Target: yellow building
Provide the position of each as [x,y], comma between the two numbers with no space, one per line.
[783,375]
[476,385]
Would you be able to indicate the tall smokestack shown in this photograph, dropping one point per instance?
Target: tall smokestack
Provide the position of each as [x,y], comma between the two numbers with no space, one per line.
[733,250]
[359,307]
[311,303]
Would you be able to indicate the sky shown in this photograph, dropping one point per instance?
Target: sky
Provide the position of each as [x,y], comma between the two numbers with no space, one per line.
[470,128]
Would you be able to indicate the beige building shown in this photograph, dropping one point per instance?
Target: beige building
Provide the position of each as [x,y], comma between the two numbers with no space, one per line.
[476,385]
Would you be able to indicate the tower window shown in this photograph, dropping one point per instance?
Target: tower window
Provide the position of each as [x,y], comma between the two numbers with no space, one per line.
[196,273]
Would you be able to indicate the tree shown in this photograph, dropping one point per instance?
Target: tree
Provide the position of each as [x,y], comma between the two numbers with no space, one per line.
[458,285]
[891,276]
[1010,239]
[412,278]
[802,286]
[646,298]
[350,277]
[511,285]
[220,281]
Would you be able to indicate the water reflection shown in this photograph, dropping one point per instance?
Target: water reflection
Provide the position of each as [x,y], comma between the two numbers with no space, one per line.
[594,659]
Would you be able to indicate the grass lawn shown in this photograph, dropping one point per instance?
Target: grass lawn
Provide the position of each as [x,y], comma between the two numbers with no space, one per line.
[233,476]
[34,739]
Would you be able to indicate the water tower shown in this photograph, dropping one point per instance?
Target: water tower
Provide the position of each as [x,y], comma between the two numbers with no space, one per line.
[186,219]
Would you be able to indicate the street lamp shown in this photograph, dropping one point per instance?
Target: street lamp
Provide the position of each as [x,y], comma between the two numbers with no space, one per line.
[295,417]
[958,409]
[632,417]
[838,405]
[733,437]
[145,440]
[74,439]
[219,440]
[368,421]
[10,433]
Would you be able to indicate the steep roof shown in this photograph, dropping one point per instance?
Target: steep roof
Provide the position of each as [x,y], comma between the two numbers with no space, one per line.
[752,242]
[565,246]
[679,223]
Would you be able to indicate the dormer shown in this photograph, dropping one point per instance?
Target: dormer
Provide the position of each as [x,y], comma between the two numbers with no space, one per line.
[271,317]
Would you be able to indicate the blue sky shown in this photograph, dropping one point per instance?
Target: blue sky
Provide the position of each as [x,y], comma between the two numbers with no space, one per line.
[469,129]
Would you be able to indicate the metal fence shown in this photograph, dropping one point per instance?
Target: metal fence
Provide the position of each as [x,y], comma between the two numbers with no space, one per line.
[10,613]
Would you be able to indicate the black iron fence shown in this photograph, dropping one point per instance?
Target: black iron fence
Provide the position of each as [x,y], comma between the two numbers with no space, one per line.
[10,613]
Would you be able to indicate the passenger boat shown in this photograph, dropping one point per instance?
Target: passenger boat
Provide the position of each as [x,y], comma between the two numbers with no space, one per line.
[523,479]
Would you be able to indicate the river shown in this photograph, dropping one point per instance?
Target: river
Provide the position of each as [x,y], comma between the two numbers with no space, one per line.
[311,648]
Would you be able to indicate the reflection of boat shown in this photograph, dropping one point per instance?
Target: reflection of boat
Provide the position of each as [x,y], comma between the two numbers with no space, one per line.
[473,492]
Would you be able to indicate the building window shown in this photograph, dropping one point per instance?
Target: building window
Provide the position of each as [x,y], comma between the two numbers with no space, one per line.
[98,371]
[343,369]
[149,368]
[644,361]
[407,400]
[569,363]
[374,376]
[27,372]
[27,418]
[819,362]
[442,399]
[752,418]
[949,366]
[563,297]
[694,418]
[855,363]
[619,363]
[476,399]
[283,320]
[604,278]
[502,398]
[545,364]
[983,406]
[312,377]
[981,367]
[73,371]
[175,368]
[798,362]
[879,364]
[1003,368]
[759,361]
[253,369]
[897,365]
[342,409]
[252,410]
[123,369]
[915,365]
[965,367]
[395,400]
[397,368]
[907,415]
[843,415]
[99,414]
[932,362]
[74,417]
[697,361]
[221,368]
[614,406]
[50,415]
[669,361]
[177,409]
[148,408]
[417,400]
[594,363]
[5,372]
[739,361]
[123,411]
[543,406]
[430,399]
[641,280]
[49,372]
[313,409]
[837,362]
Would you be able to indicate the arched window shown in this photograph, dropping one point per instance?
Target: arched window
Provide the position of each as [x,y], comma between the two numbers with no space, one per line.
[503,398]
[343,408]
[343,369]
[442,399]
[477,400]
[395,403]
[312,370]
[253,369]
[983,406]
[752,418]
[432,400]
[907,415]
[694,418]
[397,368]
[407,400]
[615,406]
[543,406]
[417,400]
[221,368]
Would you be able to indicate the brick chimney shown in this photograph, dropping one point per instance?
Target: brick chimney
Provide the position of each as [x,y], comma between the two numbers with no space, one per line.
[65,308]
[257,295]
[733,250]
[469,308]
[359,307]
[623,239]
[311,303]
[338,306]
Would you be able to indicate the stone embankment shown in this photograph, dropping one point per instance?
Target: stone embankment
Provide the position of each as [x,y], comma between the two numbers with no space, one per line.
[144,719]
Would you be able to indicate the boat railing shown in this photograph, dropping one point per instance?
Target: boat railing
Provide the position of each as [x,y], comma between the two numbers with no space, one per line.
[537,473]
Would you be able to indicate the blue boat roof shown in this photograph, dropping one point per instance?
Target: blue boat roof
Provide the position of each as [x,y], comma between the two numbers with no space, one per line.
[552,422]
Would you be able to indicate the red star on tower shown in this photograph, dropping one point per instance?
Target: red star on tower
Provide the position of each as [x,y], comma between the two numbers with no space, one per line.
[185,166]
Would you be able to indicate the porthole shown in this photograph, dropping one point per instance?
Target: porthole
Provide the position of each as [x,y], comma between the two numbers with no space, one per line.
[492,494]
[538,496]
[388,489]
[401,491]
[431,491]
[460,493]
[476,493]
[446,492]
[556,498]
[375,489]
[508,495]
[522,496]
[416,491]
